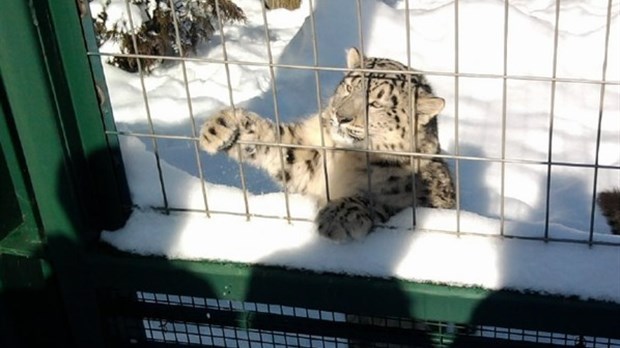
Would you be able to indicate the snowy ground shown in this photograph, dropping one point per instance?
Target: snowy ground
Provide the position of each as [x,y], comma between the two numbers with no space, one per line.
[423,254]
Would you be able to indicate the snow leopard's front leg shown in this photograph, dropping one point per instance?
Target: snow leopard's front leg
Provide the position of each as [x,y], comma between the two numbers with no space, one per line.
[349,218]
[228,128]
[438,188]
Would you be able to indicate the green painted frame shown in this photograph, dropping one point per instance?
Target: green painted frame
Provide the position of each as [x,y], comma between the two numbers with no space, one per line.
[340,293]
[61,165]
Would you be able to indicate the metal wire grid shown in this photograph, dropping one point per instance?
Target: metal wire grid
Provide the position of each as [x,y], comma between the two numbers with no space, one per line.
[543,337]
[206,326]
[457,157]
[217,334]
[228,305]
[223,336]
[211,331]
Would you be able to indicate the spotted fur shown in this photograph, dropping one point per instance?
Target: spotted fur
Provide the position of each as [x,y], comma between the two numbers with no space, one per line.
[363,190]
[609,202]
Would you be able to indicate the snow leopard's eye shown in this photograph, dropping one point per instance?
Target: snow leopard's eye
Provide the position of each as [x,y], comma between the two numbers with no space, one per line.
[348,88]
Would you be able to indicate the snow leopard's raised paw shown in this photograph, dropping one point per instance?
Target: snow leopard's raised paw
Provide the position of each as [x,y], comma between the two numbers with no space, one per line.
[220,132]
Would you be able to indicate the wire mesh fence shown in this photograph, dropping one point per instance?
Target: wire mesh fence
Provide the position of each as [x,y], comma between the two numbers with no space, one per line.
[148,319]
[460,158]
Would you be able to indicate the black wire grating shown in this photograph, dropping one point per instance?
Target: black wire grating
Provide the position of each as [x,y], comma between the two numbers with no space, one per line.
[147,319]
[543,337]
[223,336]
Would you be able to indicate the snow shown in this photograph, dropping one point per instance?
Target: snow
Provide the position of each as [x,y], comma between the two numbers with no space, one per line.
[430,252]
[117,16]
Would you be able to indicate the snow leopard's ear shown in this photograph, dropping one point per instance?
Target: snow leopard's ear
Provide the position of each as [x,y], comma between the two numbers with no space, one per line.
[427,107]
[354,58]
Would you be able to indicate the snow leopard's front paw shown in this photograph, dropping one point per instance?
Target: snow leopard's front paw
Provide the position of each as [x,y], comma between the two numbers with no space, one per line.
[344,219]
[438,189]
[220,132]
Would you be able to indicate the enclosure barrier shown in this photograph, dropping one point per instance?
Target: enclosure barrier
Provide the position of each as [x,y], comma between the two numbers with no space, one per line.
[63,183]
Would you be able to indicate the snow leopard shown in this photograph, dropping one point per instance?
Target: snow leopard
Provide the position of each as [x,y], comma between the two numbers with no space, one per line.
[609,202]
[351,156]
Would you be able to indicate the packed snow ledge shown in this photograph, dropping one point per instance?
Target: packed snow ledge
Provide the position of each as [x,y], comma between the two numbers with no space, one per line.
[426,254]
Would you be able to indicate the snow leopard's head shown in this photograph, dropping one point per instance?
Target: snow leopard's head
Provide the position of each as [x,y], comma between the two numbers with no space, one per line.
[379,90]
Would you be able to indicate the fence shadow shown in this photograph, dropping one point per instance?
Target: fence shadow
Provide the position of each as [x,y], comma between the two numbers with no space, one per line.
[110,298]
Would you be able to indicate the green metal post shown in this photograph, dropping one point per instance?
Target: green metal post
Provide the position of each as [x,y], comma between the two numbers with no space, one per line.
[72,74]
[56,126]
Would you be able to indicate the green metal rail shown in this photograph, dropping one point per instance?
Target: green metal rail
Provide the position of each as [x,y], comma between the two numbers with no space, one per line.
[62,183]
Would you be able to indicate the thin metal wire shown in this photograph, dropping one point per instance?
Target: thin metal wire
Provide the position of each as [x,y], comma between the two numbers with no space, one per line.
[147,108]
[226,61]
[412,119]
[276,110]
[329,68]
[551,118]
[149,135]
[600,121]
[462,233]
[190,108]
[315,53]
[457,151]
[234,330]
[397,153]
[367,144]
[244,187]
[504,106]
[231,98]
